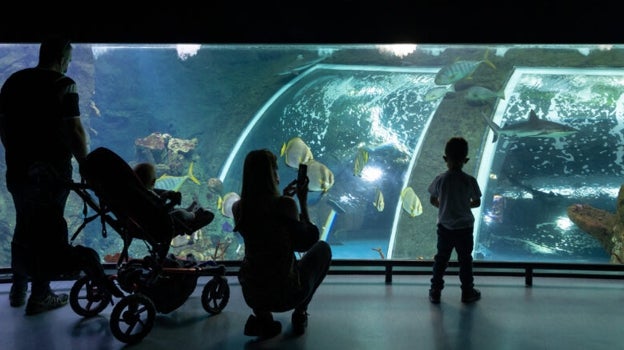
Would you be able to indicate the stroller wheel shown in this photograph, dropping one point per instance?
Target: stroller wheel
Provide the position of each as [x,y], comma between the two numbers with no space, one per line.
[87,299]
[133,318]
[215,295]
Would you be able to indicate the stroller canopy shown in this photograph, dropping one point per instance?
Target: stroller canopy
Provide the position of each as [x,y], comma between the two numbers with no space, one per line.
[142,213]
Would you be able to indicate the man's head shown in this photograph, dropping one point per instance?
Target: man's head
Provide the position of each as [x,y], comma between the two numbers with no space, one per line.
[55,53]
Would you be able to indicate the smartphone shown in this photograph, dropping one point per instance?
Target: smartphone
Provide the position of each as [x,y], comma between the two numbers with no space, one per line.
[302,174]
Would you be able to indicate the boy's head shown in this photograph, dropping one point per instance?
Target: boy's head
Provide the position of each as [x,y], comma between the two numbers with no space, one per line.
[146,172]
[456,151]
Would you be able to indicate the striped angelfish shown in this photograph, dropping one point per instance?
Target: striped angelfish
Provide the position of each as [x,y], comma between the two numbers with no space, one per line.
[410,202]
[295,151]
[480,94]
[379,200]
[459,70]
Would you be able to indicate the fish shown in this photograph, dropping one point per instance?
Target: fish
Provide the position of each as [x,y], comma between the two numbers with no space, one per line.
[495,213]
[224,204]
[295,70]
[227,227]
[379,200]
[532,127]
[361,159]
[459,70]
[482,252]
[95,109]
[336,206]
[481,95]
[321,178]
[535,193]
[174,183]
[181,241]
[410,202]
[296,151]
[437,93]
[535,248]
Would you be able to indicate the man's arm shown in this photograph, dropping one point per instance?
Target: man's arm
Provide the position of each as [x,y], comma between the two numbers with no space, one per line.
[77,138]
[2,133]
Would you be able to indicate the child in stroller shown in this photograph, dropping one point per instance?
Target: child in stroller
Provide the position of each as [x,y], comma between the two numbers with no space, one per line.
[157,282]
[191,217]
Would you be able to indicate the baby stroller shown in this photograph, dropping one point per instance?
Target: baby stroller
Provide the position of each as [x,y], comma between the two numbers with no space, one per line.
[156,283]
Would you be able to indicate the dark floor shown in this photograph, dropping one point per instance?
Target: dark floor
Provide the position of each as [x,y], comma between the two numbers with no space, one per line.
[362,312]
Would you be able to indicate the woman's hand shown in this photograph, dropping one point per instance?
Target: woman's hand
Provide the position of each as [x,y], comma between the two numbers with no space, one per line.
[290,189]
[294,188]
[301,190]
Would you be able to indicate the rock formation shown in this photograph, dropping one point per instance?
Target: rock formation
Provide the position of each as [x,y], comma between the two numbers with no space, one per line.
[605,226]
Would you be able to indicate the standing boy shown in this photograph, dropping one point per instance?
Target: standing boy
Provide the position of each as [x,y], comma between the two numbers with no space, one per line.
[455,193]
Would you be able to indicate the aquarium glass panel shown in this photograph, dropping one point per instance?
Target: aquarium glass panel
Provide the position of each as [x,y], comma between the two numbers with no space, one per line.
[544,125]
[536,167]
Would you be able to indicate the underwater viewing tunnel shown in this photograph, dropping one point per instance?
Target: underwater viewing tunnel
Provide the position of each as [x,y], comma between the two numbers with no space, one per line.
[362,126]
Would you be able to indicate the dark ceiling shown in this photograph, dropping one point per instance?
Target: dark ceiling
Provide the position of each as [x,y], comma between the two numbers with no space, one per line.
[338,21]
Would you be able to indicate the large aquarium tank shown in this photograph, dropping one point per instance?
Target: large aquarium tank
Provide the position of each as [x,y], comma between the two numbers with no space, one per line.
[545,126]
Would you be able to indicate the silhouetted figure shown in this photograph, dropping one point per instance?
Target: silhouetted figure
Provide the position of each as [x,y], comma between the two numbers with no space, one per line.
[455,193]
[193,216]
[274,228]
[41,130]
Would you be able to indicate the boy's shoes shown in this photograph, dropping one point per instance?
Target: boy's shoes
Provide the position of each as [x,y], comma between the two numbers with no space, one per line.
[470,295]
[49,302]
[299,321]
[263,329]
[434,296]
[17,295]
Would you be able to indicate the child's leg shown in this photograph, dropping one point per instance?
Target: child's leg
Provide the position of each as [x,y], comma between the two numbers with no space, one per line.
[441,259]
[464,246]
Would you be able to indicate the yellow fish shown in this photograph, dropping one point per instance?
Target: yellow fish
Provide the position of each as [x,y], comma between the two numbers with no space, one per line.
[321,178]
[360,161]
[173,183]
[379,201]
[456,71]
[224,204]
[296,151]
[411,202]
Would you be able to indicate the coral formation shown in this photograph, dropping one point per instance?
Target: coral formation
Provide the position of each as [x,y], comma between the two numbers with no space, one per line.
[165,151]
[154,141]
[176,145]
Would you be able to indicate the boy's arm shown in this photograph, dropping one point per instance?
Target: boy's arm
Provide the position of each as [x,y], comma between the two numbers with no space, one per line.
[475,200]
[434,201]
[174,197]
[433,192]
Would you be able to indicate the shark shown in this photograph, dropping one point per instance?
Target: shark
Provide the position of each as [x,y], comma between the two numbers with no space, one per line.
[532,127]
[535,248]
